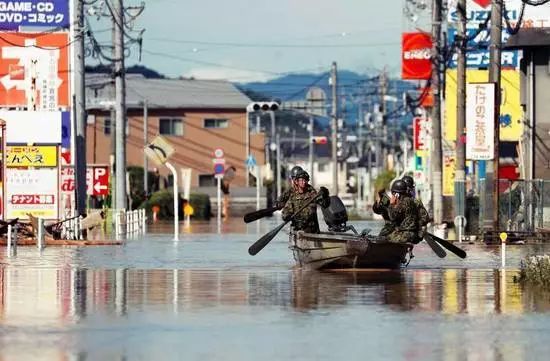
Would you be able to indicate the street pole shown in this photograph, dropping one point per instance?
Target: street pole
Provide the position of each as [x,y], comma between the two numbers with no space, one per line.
[145,142]
[334,126]
[80,106]
[436,114]
[311,149]
[247,146]
[382,113]
[491,183]
[278,165]
[120,108]
[460,175]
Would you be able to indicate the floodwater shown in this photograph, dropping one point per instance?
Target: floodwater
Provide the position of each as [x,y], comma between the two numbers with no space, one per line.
[204,298]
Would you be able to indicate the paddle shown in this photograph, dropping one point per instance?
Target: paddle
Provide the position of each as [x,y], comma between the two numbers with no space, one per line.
[440,252]
[260,213]
[451,247]
[268,237]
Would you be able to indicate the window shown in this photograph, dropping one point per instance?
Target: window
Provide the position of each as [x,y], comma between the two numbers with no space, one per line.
[107,126]
[171,126]
[207,180]
[216,123]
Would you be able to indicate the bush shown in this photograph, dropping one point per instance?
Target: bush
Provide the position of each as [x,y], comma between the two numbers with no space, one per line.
[383,180]
[165,200]
[536,270]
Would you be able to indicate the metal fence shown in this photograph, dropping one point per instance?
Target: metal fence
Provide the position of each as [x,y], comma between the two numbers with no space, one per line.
[524,205]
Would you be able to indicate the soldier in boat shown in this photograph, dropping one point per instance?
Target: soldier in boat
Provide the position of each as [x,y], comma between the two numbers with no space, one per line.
[306,220]
[381,206]
[421,211]
[403,214]
[280,203]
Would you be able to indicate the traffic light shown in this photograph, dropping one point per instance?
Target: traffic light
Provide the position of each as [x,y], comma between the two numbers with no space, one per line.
[319,140]
[262,106]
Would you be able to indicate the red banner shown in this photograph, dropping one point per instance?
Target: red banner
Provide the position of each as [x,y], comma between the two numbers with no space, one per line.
[416,56]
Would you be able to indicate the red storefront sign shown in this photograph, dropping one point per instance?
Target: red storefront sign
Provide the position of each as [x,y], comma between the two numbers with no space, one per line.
[97,180]
[416,56]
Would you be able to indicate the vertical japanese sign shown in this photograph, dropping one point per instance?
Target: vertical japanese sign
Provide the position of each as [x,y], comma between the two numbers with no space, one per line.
[480,118]
[449,169]
[34,71]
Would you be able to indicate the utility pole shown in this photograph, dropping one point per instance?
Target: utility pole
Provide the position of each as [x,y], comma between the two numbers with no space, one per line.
[145,142]
[120,107]
[310,149]
[334,126]
[460,174]
[80,107]
[382,115]
[437,155]
[491,201]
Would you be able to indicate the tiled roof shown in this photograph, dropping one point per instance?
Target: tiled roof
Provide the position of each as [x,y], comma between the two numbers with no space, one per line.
[165,93]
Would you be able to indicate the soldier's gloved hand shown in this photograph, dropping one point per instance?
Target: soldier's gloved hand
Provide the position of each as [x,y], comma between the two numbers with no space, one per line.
[324,198]
[287,217]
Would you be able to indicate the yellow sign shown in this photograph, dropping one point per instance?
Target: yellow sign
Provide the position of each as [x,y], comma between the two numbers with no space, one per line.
[188,210]
[449,169]
[31,156]
[511,127]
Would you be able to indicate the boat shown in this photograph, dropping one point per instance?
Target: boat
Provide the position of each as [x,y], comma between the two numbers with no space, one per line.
[339,249]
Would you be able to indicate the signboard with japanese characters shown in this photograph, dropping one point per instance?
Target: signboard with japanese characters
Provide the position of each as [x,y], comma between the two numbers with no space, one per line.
[32,191]
[34,70]
[31,156]
[421,133]
[480,121]
[97,180]
[35,13]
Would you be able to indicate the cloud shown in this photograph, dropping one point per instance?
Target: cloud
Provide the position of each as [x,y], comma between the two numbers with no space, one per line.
[233,75]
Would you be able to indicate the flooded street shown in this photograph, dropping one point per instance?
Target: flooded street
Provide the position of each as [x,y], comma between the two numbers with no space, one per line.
[204,298]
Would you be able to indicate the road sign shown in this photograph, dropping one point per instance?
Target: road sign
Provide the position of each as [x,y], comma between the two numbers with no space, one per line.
[219,169]
[218,153]
[159,150]
[97,180]
[250,161]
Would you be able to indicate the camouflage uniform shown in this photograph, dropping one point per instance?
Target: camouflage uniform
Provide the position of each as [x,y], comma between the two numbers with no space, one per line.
[280,203]
[382,207]
[423,219]
[306,220]
[404,216]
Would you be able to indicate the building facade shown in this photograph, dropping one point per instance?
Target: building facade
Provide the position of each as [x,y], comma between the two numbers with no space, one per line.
[195,116]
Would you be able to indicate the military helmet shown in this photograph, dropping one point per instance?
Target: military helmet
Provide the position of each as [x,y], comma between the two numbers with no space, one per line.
[295,171]
[302,174]
[399,186]
[409,181]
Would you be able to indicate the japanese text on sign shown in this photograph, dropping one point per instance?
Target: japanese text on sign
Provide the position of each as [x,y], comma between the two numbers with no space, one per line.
[31,156]
[32,199]
[14,14]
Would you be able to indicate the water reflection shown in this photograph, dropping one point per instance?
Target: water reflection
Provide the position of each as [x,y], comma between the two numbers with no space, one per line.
[68,312]
[49,296]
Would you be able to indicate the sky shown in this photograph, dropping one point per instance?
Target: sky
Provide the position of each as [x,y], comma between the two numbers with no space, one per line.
[255,40]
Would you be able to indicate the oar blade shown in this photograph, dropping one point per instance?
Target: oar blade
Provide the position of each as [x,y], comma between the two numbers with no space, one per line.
[459,252]
[253,216]
[440,252]
[262,242]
